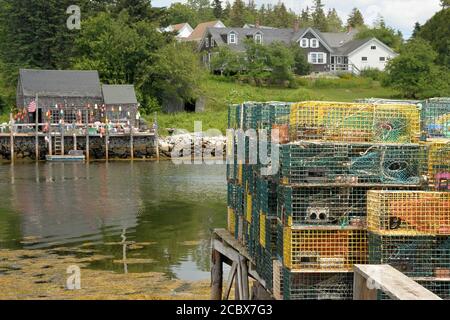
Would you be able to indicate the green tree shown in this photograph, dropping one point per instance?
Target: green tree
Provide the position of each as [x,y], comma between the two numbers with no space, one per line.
[318,16]
[414,72]
[416,31]
[237,14]
[437,32]
[333,21]
[445,4]
[227,61]
[176,73]
[301,66]
[355,18]
[385,34]
[226,11]
[280,61]
[217,8]
[305,18]
[180,13]
[137,9]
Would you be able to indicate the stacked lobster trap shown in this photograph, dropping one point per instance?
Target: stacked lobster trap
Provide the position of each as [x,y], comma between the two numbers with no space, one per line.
[307,224]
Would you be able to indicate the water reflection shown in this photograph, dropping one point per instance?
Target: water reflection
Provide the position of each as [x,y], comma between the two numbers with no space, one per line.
[167,210]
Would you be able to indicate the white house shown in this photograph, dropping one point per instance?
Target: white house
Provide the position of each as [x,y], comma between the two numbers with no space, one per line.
[372,54]
[183,30]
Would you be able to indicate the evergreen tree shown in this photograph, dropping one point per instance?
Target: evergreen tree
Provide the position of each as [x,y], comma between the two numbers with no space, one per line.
[318,16]
[305,19]
[237,13]
[445,4]
[217,8]
[355,18]
[333,21]
[417,28]
[437,32]
[226,11]
[137,9]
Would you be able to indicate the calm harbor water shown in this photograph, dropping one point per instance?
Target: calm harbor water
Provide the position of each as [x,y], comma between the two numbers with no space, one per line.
[170,210]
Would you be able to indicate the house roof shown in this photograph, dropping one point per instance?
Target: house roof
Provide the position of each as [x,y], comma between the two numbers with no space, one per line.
[119,94]
[338,39]
[60,83]
[179,26]
[269,35]
[200,30]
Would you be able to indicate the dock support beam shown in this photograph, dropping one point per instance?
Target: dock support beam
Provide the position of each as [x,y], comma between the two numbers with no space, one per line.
[11,137]
[226,249]
[216,275]
[87,135]
[36,121]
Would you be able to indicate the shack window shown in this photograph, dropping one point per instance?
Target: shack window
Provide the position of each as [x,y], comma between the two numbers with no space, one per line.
[232,38]
[304,43]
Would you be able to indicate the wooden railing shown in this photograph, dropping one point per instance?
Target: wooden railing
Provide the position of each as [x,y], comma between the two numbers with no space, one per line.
[369,280]
[341,67]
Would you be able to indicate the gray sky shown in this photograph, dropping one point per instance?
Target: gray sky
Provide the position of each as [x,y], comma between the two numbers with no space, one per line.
[399,14]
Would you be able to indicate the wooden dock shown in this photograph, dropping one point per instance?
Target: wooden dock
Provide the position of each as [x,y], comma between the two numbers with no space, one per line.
[226,249]
[369,280]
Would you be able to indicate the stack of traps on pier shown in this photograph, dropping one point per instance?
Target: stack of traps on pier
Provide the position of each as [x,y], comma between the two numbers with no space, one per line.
[331,121]
[307,225]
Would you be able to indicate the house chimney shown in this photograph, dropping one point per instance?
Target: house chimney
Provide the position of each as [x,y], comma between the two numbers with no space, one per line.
[296,25]
[257,25]
[349,29]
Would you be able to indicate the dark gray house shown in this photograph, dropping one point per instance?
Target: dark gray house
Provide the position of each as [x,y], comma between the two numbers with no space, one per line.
[325,51]
[73,94]
[120,102]
[62,87]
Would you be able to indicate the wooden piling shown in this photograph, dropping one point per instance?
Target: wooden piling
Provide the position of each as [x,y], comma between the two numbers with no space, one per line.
[107,142]
[11,137]
[36,121]
[216,276]
[156,136]
[87,135]
[131,143]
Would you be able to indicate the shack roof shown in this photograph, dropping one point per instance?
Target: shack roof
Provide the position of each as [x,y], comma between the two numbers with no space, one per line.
[115,94]
[60,83]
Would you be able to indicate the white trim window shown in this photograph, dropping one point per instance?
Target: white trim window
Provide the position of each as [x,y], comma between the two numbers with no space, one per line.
[314,43]
[232,38]
[364,59]
[207,42]
[382,59]
[258,38]
[304,42]
[317,58]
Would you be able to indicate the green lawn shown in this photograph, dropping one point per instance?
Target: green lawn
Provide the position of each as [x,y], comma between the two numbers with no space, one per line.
[220,93]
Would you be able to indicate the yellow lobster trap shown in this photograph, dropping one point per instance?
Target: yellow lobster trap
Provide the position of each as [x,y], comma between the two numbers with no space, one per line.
[409,212]
[354,122]
[231,221]
[324,248]
[439,163]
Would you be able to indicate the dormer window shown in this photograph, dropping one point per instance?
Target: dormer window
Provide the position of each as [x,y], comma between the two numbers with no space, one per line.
[258,38]
[314,43]
[232,38]
[304,43]
[207,42]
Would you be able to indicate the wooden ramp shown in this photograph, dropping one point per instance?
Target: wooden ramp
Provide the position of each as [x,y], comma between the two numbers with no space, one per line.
[369,279]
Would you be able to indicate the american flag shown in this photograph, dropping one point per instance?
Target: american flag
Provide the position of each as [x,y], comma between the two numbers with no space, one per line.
[32,106]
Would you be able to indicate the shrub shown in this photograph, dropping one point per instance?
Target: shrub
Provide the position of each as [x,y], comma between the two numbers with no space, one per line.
[372,73]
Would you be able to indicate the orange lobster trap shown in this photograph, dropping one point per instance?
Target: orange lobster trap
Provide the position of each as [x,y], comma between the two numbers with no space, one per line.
[409,212]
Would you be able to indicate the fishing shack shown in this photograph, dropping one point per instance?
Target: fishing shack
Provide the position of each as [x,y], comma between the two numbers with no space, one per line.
[65,110]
